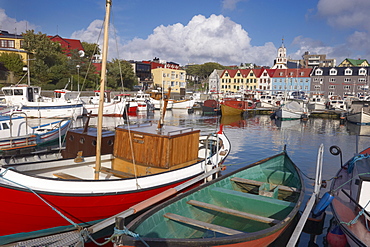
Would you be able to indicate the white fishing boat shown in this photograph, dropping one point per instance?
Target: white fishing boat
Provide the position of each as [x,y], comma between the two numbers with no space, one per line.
[112,107]
[18,136]
[291,110]
[316,102]
[28,99]
[359,112]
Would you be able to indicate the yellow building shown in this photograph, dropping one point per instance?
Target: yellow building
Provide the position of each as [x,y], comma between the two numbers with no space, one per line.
[169,77]
[238,80]
[354,63]
[12,43]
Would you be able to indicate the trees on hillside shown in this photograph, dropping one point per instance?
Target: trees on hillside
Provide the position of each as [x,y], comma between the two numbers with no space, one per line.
[120,75]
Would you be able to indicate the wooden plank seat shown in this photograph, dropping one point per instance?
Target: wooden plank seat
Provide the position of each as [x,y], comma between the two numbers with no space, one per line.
[259,183]
[233,212]
[116,173]
[201,224]
[63,175]
[230,195]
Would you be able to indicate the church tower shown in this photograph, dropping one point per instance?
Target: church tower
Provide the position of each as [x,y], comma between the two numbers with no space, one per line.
[281,59]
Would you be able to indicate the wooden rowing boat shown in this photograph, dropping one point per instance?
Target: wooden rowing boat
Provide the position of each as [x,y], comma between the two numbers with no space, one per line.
[251,206]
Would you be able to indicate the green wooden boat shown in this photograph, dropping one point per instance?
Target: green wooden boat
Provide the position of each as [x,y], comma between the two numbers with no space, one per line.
[251,206]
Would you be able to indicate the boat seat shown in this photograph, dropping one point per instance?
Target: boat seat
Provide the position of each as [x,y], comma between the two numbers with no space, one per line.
[259,183]
[230,195]
[233,212]
[63,175]
[201,224]
[116,173]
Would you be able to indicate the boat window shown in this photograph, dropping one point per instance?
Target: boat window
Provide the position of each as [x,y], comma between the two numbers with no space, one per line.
[35,90]
[110,142]
[82,140]
[18,92]
[71,137]
[8,92]
[5,126]
[93,143]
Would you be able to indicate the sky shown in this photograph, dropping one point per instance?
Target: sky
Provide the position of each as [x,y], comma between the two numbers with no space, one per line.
[229,32]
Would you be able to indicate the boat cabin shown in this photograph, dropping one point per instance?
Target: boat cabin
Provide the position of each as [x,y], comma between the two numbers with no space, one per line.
[153,151]
[21,93]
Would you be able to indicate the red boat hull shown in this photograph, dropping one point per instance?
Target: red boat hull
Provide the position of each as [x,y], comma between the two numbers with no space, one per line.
[24,212]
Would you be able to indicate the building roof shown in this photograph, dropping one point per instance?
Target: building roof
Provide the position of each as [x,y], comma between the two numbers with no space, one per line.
[6,34]
[355,62]
[68,44]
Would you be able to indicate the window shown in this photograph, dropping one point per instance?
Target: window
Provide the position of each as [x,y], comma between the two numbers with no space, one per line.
[348,71]
[332,87]
[347,87]
[362,71]
[331,79]
[317,86]
[347,79]
[318,72]
[361,80]
[5,126]
[333,72]
[7,43]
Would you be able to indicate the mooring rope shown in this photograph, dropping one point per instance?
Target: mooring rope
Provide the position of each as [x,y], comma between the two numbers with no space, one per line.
[354,221]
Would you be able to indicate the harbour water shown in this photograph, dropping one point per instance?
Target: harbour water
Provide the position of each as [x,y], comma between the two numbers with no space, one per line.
[254,137]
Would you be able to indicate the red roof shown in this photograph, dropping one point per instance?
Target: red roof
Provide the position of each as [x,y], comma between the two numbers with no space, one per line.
[68,44]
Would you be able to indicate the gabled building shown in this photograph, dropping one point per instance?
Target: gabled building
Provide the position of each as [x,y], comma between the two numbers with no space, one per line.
[214,80]
[68,45]
[354,63]
[264,82]
[12,43]
[341,81]
[288,80]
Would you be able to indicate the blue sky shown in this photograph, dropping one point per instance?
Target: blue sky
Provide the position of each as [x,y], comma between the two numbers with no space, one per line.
[197,31]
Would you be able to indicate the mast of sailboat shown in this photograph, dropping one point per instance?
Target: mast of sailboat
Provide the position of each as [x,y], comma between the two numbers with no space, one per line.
[102,88]
[165,99]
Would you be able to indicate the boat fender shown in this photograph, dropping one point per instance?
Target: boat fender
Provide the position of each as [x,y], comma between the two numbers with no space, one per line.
[336,237]
[324,202]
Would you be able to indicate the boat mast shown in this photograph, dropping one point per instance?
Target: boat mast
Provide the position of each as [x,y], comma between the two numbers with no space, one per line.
[102,88]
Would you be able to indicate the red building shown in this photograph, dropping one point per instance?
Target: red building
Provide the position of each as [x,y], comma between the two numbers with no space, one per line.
[68,44]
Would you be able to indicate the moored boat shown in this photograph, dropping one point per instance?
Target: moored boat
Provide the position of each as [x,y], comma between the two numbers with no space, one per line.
[291,110]
[18,137]
[251,206]
[235,106]
[28,99]
[359,112]
[350,197]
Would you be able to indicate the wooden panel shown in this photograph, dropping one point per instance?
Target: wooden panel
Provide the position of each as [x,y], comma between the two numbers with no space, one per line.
[201,224]
[233,212]
[156,150]
[116,173]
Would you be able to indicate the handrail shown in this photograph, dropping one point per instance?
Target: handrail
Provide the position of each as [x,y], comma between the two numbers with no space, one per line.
[311,202]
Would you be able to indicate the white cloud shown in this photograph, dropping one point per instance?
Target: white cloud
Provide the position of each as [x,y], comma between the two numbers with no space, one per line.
[213,39]
[12,25]
[345,14]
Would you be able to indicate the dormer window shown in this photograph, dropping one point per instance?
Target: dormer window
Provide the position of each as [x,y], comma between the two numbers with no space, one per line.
[348,71]
[362,71]
[318,72]
[281,73]
[333,72]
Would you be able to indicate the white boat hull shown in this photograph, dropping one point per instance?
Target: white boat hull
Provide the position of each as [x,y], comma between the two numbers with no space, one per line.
[362,118]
